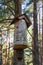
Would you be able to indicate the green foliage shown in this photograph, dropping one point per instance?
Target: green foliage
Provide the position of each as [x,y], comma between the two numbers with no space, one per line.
[28,57]
[30,2]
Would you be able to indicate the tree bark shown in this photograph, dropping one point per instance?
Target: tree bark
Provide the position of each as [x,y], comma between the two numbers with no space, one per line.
[42,38]
[35,34]
[1,48]
[8,45]
[42,32]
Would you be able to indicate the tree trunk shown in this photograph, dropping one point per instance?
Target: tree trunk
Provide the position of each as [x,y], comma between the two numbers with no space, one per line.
[42,37]
[8,44]
[0,47]
[16,60]
[42,32]
[35,34]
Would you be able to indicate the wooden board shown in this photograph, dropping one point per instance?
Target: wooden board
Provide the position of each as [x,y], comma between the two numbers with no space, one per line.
[20,46]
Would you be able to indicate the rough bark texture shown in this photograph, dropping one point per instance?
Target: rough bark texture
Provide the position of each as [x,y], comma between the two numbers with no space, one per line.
[41,52]
[0,54]
[42,32]
[35,33]
[18,61]
[8,45]
[1,48]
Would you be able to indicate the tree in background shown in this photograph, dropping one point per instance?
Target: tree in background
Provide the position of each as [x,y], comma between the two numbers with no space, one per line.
[42,32]
[0,47]
[42,38]
[35,35]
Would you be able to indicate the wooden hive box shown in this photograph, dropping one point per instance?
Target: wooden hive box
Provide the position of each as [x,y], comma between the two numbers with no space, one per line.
[22,22]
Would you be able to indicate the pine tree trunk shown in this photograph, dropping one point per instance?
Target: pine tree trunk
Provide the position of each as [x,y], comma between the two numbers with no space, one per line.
[1,48]
[8,44]
[42,32]
[42,37]
[35,34]
[16,60]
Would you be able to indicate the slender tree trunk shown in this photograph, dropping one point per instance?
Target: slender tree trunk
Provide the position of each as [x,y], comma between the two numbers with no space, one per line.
[42,37]
[42,32]
[35,33]
[18,12]
[1,39]
[0,47]
[4,54]
[8,44]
